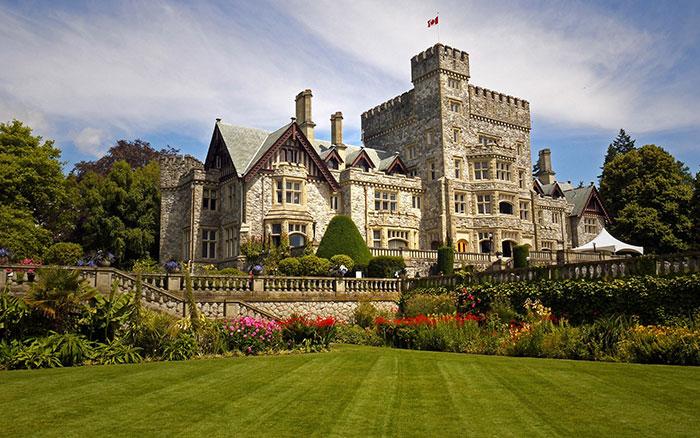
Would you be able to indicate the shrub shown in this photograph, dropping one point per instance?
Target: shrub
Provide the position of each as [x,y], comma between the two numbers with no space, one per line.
[386,266]
[662,345]
[35,355]
[308,334]
[342,259]
[71,349]
[354,334]
[116,352]
[424,304]
[64,254]
[147,266]
[235,272]
[290,266]
[446,260]
[312,265]
[520,255]
[252,336]
[364,314]
[343,237]
[471,300]
[182,346]
[653,300]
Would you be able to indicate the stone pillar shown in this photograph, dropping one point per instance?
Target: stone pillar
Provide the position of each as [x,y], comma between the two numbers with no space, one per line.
[258,285]
[340,284]
[173,282]
[103,280]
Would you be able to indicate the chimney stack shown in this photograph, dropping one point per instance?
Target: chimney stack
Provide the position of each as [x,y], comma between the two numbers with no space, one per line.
[337,128]
[337,137]
[544,164]
[303,104]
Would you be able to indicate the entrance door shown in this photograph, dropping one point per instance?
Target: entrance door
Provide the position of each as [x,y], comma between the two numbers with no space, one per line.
[462,246]
[507,248]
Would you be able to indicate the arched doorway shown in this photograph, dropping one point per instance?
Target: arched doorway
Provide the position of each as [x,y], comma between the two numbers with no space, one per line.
[485,246]
[462,246]
[507,248]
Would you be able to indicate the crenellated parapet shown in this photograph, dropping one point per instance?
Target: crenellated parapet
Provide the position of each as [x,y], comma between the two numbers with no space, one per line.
[387,115]
[440,58]
[498,107]
[173,168]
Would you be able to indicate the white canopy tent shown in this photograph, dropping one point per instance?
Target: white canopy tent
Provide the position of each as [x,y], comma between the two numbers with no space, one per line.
[606,242]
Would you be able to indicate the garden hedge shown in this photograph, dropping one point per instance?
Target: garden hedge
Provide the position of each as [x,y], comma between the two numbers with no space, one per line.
[385,266]
[653,299]
[63,254]
[446,260]
[343,237]
[520,255]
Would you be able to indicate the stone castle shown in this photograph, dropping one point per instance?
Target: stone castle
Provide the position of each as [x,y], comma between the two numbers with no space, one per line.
[446,161]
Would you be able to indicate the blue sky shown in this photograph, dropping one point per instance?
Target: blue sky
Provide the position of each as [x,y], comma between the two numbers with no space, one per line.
[89,73]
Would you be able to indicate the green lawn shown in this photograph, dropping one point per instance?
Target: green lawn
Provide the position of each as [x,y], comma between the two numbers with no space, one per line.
[354,391]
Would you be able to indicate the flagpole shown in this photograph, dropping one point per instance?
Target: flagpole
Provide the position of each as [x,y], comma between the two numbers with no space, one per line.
[438,27]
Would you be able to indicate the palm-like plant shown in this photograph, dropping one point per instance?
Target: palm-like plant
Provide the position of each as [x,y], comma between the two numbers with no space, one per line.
[60,295]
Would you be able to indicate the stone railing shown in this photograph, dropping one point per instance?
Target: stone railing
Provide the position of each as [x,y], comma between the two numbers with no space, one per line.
[431,254]
[604,269]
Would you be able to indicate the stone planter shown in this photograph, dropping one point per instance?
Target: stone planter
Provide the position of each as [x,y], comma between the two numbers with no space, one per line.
[104,263]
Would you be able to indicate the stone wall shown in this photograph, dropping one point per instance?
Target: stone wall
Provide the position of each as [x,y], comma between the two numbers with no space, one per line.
[340,310]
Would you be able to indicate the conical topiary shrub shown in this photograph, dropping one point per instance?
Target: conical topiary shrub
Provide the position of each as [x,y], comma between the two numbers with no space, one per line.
[343,237]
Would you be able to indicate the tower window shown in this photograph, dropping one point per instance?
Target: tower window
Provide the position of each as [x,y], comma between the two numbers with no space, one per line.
[487,140]
[453,83]
[503,171]
[460,203]
[385,201]
[455,106]
[209,199]
[483,204]
[209,244]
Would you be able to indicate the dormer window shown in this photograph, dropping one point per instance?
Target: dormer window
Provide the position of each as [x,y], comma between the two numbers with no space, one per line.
[332,163]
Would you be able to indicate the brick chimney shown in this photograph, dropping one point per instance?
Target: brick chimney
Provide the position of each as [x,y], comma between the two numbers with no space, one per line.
[303,103]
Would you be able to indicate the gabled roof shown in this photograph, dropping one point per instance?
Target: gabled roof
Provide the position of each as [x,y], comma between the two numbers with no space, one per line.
[581,197]
[552,189]
[390,164]
[266,144]
[275,140]
[537,186]
[241,143]
[355,157]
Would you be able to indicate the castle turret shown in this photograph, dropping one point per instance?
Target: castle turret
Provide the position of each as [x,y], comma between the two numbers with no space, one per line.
[438,58]
[303,106]
[544,167]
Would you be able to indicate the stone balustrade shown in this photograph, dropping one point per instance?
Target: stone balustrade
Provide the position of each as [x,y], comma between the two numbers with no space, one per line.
[601,269]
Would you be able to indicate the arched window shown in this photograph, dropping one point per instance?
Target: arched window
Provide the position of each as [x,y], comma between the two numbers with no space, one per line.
[505,207]
[462,246]
[397,244]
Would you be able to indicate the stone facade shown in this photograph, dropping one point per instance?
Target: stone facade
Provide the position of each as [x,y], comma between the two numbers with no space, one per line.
[446,161]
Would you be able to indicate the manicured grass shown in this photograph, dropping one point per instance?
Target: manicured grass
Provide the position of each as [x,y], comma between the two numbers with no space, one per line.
[354,391]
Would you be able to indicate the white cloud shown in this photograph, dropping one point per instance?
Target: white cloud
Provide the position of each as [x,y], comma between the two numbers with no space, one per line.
[158,66]
[90,141]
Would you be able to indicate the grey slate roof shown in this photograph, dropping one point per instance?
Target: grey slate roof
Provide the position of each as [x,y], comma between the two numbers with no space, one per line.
[247,145]
[269,141]
[578,197]
[242,143]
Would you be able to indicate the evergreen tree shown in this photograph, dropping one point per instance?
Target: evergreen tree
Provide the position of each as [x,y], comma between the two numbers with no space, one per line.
[696,213]
[343,237]
[622,144]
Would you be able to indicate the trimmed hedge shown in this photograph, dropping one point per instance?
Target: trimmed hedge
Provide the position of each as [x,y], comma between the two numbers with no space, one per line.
[446,260]
[343,237]
[63,254]
[520,255]
[385,266]
[653,299]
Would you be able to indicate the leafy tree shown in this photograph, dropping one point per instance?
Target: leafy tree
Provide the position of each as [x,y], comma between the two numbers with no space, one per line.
[121,211]
[20,234]
[137,153]
[648,193]
[32,178]
[343,237]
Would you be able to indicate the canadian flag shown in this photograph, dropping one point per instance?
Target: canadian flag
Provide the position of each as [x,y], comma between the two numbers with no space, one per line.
[433,21]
